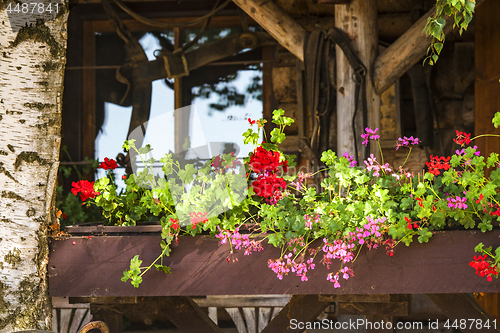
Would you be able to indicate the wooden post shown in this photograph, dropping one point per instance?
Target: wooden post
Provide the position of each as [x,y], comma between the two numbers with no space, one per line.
[181,115]
[359,21]
[487,87]
[278,23]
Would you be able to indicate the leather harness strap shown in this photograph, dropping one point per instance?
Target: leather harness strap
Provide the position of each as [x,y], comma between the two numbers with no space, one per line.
[318,52]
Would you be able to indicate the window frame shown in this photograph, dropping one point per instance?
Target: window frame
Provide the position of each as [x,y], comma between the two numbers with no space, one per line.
[92,27]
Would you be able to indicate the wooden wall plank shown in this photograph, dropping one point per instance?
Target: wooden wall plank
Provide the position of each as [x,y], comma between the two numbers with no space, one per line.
[237,318]
[55,321]
[76,322]
[264,317]
[64,319]
[250,319]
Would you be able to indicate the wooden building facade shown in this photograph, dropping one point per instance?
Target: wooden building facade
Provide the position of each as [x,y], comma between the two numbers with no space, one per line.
[403,98]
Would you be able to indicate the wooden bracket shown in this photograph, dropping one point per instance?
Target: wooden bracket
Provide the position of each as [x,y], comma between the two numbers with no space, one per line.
[303,308]
[187,316]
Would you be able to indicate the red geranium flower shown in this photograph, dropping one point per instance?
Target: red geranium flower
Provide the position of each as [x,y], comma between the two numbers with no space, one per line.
[266,186]
[264,160]
[481,197]
[217,164]
[408,220]
[197,218]
[462,138]
[420,203]
[175,224]
[108,164]
[435,164]
[86,188]
[483,267]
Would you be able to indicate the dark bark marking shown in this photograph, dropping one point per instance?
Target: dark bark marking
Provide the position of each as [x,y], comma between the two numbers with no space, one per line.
[29,157]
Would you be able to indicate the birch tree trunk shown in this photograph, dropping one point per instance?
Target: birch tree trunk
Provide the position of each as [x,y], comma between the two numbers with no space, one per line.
[32,60]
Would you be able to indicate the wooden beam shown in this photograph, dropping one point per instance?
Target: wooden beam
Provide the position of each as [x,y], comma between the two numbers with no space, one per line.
[277,23]
[302,308]
[359,21]
[392,309]
[356,298]
[461,307]
[229,301]
[405,52]
[187,316]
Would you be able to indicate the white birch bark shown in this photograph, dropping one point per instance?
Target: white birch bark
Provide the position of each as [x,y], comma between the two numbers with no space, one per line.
[32,64]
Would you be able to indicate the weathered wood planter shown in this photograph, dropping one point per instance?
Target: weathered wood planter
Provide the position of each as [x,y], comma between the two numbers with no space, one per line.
[91,262]
[87,266]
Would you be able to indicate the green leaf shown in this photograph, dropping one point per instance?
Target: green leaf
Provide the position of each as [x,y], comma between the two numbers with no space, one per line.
[277,136]
[496,120]
[275,239]
[485,226]
[128,144]
[146,149]
[438,219]
[429,176]
[162,268]
[468,222]
[135,263]
[479,247]
[492,160]
[250,137]
[126,276]
[497,254]
[489,190]
[187,175]
[438,47]
[136,281]
[425,234]
[328,157]
[278,113]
